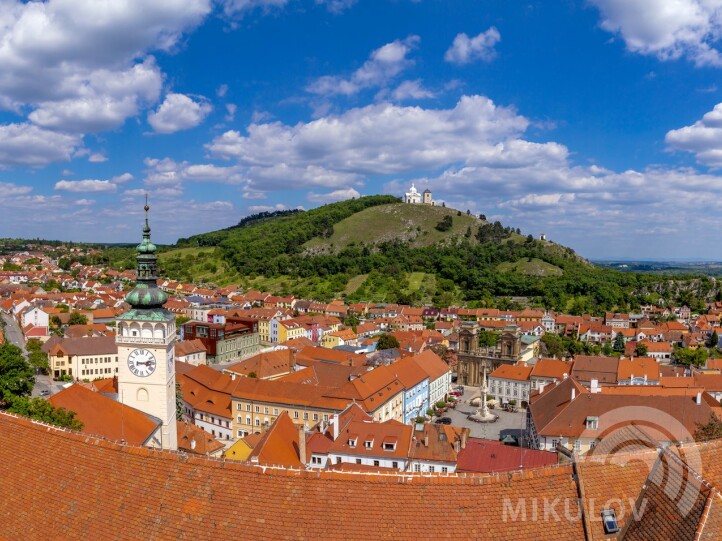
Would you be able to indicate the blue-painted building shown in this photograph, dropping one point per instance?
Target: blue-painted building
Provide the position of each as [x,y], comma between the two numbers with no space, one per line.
[416,387]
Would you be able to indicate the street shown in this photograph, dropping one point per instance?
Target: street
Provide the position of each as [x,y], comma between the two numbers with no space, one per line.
[44,385]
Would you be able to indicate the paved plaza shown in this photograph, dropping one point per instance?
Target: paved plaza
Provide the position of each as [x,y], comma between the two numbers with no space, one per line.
[508,423]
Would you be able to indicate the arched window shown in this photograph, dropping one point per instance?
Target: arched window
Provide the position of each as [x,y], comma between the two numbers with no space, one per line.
[142,395]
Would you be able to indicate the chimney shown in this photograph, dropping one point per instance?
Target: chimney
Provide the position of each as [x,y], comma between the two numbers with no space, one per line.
[595,386]
[233,376]
[426,440]
[699,399]
[293,359]
[565,375]
[457,446]
[574,394]
[302,444]
[335,422]
[464,435]
[541,386]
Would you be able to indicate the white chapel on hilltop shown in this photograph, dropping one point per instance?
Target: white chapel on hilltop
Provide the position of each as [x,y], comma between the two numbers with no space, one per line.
[415,198]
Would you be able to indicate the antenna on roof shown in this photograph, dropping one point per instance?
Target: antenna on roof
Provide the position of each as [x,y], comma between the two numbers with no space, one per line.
[122,419]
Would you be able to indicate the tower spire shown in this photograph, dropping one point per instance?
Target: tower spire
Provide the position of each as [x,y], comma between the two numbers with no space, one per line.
[146,293]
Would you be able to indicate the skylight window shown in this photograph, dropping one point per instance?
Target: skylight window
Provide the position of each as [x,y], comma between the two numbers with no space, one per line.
[609,519]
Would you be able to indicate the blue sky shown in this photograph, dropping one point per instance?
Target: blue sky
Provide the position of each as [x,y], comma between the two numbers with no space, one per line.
[594,122]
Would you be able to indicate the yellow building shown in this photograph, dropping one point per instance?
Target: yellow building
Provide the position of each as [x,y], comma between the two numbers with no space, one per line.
[289,330]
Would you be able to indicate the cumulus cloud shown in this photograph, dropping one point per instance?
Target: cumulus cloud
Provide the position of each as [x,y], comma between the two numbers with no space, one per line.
[667,30]
[92,185]
[85,186]
[703,138]
[385,138]
[25,144]
[83,66]
[383,65]
[97,157]
[168,172]
[411,90]
[481,47]
[178,112]
[332,197]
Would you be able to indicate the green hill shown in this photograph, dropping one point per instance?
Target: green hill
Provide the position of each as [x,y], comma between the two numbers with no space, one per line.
[414,225]
[376,248]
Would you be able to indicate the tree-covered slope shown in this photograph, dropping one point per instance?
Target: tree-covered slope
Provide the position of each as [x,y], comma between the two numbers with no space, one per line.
[375,248]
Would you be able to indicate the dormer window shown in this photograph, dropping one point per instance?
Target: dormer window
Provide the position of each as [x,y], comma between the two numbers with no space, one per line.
[369,444]
[389,446]
[352,443]
[592,423]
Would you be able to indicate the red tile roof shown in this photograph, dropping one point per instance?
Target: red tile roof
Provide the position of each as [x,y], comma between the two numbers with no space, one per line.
[486,456]
[144,493]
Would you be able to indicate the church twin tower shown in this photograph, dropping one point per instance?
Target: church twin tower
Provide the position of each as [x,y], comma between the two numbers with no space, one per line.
[146,346]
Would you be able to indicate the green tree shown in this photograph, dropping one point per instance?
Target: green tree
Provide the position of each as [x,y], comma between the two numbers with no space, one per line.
[607,349]
[714,339]
[178,402]
[488,338]
[554,345]
[16,375]
[387,341]
[618,343]
[42,410]
[641,350]
[711,430]
[692,357]
[76,318]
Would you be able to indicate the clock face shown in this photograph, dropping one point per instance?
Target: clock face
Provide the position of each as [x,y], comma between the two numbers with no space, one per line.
[141,362]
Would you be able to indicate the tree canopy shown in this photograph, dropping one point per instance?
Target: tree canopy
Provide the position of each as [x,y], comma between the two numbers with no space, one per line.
[387,341]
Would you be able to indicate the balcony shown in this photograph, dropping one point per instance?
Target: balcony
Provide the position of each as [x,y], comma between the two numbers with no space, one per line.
[132,340]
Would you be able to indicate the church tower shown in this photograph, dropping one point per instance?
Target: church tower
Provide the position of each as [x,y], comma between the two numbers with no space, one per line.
[146,347]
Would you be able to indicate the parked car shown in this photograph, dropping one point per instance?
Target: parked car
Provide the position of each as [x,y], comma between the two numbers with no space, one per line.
[459,389]
[44,392]
[443,421]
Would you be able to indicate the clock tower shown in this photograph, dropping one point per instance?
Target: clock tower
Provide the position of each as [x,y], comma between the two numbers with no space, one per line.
[146,346]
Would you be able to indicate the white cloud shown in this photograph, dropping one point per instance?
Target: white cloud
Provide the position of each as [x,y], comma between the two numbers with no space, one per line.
[8,190]
[336,6]
[238,8]
[383,65]
[85,186]
[82,66]
[25,144]
[267,208]
[179,112]
[481,47]
[703,138]
[103,100]
[97,157]
[93,185]
[222,90]
[385,139]
[667,29]
[230,112]
[85,202]
[332,197]
[168,172]
[411,90]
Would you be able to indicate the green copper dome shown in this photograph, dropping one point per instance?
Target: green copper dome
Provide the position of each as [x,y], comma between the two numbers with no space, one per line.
[146,294]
